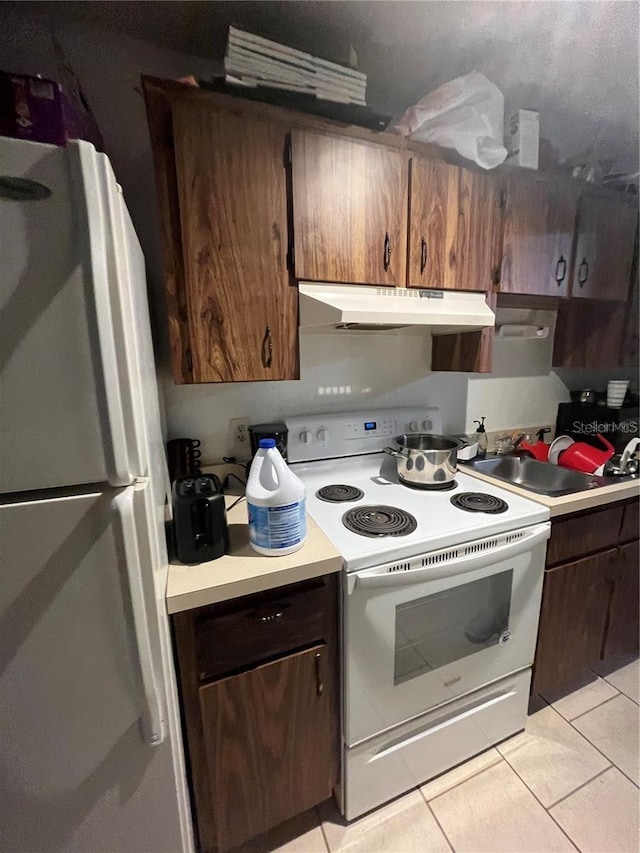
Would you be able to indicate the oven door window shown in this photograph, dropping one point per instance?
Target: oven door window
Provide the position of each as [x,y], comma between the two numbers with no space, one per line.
[442,628]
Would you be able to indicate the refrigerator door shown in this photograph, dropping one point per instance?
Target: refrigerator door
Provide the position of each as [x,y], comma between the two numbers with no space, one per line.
[70,407]
[82,681]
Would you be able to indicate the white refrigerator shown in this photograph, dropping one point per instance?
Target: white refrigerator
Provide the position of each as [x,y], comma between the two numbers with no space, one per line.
[91,754]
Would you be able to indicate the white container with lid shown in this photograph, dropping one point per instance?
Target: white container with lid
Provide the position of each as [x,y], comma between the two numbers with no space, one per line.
[276,504]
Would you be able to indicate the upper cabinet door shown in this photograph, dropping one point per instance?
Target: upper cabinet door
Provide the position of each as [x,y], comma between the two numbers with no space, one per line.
[453,227]
[349,210]
[232,192]
[538,226]
[604,250]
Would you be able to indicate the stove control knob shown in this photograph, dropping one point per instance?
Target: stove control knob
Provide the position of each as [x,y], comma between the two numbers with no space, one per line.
[414,426]
[323,434]
[427,425]
[306,437]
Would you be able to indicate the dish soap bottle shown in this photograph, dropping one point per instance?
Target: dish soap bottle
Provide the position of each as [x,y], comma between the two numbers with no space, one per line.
[276,503]
[480,435]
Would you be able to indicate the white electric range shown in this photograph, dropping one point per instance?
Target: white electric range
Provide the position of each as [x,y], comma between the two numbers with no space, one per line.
[440,604]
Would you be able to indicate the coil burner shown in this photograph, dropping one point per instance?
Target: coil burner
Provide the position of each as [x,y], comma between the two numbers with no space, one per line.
[338,493]
[479,502]
[376,521]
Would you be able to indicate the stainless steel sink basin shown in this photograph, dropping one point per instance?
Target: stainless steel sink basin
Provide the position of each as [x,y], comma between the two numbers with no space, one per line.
[541,477]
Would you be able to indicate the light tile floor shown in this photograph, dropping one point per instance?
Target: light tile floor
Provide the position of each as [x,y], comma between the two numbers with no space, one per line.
[568,782]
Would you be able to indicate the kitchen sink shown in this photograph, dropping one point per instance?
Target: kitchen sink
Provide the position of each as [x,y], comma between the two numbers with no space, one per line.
[541,477]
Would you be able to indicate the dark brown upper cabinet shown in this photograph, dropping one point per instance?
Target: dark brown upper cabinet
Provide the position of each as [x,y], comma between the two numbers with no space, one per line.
[349,210]
[232,197]
[454,227]
[604,247]
[537,236]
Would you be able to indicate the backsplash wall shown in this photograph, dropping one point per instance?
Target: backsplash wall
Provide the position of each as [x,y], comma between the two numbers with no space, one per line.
[352,371]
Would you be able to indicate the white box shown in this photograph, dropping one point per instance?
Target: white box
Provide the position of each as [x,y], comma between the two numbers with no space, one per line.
[524,139]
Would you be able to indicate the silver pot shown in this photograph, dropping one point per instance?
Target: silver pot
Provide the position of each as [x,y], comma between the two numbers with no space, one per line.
[426,460]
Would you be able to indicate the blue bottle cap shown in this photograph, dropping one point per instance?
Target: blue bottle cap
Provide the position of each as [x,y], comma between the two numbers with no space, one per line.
[266,443]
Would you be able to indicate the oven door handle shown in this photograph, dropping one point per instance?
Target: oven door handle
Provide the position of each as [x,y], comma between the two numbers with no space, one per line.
[381,578]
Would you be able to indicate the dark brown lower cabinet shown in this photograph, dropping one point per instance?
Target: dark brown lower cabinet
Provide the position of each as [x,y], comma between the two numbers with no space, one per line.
[572,621]
[620,642]
[265,736]
[259,680]
[590,609]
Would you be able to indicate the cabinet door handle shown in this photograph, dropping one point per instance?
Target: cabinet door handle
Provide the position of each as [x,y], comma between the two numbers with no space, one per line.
[319,683]
[583,266]
[423,255]
[387,252]
[561,265]
[267,348]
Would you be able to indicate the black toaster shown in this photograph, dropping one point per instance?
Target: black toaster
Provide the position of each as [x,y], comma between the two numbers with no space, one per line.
[199,519]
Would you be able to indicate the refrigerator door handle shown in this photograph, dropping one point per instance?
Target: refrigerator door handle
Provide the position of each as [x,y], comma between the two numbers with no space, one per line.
[153,727]
[92,180]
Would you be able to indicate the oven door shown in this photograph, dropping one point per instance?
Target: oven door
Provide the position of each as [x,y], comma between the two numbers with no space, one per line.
[422,632]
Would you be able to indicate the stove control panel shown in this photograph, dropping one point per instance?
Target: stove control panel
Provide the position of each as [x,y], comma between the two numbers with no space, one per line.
[370,429]
[351,433]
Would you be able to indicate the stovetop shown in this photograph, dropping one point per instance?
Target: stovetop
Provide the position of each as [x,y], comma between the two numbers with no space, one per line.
[439,523]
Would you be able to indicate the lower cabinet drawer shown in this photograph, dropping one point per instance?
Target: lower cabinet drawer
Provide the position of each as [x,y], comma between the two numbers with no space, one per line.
[583,534]
[410,754]
[260,627]
[269,742]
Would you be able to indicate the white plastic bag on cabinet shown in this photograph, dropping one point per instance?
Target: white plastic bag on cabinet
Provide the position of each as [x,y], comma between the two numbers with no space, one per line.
[466,114]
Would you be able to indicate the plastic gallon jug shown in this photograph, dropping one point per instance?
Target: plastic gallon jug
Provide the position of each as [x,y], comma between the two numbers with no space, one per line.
[276,504]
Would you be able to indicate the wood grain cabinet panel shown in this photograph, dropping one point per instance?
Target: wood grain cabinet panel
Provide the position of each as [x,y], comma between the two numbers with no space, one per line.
[589,333]
[620,643]
[267,736]
[583,534]
[232,189]
[454,219]
[604,248]
[630,528]
[572,622]
[349,210]
[537,239]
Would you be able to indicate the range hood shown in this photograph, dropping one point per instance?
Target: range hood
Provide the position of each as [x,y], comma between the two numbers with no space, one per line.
[352,307]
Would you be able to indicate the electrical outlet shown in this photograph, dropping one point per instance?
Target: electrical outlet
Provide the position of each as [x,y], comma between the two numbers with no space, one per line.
[240,436]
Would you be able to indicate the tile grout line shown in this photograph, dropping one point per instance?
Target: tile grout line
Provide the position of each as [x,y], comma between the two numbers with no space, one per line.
[597,748]
[604,678]
[580,787]
[462,781]
[438,824]
[546,811]
[599,705]
[582,713]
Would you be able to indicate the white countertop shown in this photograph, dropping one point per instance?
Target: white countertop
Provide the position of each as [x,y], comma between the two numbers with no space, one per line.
[566,504]
[243,571]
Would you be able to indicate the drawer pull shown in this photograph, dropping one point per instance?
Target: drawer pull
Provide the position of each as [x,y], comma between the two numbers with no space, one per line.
[423,255]
[269,614]
[319,683]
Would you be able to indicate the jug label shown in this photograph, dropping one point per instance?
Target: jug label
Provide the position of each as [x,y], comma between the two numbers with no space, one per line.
[277,526]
